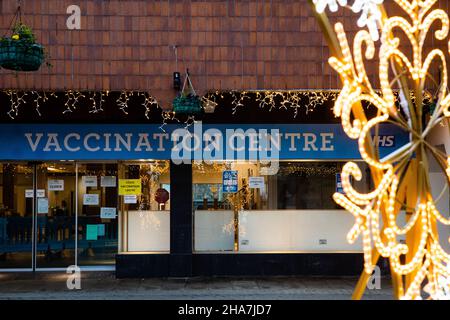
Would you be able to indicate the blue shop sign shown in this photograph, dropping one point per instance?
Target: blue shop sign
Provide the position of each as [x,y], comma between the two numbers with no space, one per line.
[197,142]
[339,187]
[230,181]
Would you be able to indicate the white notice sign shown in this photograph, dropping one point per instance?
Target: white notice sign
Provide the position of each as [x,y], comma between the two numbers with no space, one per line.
[42,206]
[91,199]
[90,181]
[256,182]
[108,181]
[40,193]
[55,185]
[130,199]
[107,213]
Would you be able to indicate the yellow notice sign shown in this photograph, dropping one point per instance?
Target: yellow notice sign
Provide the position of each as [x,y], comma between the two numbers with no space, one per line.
[129,187]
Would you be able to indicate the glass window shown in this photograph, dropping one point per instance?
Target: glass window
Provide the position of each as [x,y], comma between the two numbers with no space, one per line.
[145,221]
[291,210]
[16,212]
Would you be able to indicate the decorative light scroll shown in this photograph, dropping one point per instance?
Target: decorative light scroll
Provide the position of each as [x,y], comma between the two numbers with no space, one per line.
[402,178]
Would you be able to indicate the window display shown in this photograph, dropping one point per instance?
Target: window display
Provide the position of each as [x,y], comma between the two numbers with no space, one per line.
[291,210]
[144,193]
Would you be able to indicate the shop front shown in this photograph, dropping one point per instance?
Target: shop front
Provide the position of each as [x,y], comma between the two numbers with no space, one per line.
[204,199]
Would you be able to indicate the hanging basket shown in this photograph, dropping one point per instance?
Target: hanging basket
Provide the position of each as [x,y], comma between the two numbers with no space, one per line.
[20,55]
[188,102]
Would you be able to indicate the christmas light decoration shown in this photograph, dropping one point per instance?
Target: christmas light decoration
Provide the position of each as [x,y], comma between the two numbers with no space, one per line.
[402,178]
[122,102]
[298,100]
[149,101]
[16,99]
[369,9]
[73,98]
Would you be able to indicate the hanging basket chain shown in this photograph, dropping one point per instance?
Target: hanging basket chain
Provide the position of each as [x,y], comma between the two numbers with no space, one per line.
[16,19]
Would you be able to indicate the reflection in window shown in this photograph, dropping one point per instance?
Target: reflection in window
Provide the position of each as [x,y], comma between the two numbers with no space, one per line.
[56,214]
[146,216]
[16,201]
[305,185]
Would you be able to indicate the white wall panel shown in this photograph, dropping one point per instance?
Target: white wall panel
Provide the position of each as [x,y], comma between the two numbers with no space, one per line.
[213,231]
[148,231]
[296,230]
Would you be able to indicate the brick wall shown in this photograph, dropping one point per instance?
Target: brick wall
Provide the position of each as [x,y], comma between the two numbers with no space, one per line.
[128,44]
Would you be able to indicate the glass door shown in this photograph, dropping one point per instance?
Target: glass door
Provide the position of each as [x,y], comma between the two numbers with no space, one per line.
[55,215]
[16,215]
[97,213]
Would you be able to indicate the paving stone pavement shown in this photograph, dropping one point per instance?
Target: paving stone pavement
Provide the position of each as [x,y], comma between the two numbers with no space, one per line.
[104,286]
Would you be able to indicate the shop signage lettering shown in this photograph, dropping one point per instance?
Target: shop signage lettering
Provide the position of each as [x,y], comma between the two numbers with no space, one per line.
[384,141]
[197,142]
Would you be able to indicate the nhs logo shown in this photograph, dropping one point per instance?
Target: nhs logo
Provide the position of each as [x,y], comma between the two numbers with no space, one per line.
[384,140]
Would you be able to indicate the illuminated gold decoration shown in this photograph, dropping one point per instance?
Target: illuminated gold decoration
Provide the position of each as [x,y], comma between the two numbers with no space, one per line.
[402,178]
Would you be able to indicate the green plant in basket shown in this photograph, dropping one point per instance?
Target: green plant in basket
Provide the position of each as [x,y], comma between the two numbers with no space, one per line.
[187,102]
[20,51]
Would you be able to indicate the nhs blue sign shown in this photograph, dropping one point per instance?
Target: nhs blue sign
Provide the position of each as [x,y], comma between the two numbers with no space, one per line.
[196,142]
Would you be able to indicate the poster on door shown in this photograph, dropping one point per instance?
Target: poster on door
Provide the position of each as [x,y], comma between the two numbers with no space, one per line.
[130,199]
[90,181]
[91,199]
[40,193]
[130,187]
[108,181]
[42,205]
[108,213]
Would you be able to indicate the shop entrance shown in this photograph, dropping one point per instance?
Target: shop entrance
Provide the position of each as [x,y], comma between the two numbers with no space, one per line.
[57,214]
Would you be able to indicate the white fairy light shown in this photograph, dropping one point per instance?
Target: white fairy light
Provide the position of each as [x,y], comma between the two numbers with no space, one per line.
[332,4]
[370,15]
[370,12]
